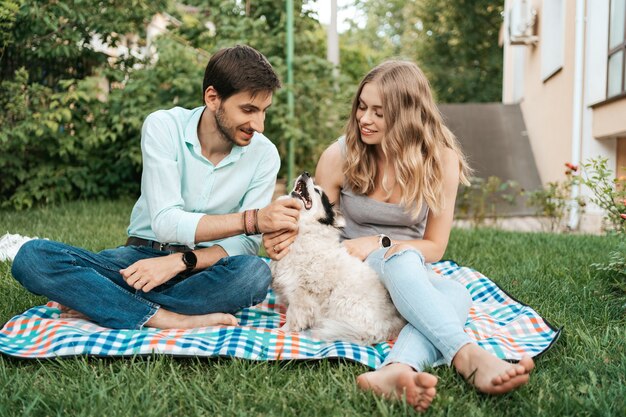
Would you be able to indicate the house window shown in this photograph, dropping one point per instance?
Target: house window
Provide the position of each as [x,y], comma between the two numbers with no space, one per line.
[552,37]
[617,49]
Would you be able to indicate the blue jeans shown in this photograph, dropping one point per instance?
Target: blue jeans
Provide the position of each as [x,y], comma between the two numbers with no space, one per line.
[436,309]
[92,284]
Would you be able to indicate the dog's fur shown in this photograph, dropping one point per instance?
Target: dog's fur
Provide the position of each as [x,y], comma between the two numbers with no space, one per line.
[326,289]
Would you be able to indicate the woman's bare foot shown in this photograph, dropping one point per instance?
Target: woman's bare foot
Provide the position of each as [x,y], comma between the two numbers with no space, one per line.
[164,319]
[397,380]
[490,374]
[68,313]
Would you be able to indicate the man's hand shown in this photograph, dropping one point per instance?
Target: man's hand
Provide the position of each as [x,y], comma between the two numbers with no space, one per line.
[277,243]
[282,214]
[361,247]
[147,274]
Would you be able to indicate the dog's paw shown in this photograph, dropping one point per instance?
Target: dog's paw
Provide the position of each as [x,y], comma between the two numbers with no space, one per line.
[294,325]
[284,328]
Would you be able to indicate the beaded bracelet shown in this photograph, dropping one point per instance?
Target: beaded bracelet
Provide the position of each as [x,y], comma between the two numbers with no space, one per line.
[243,221]
[256,222]
[250,222]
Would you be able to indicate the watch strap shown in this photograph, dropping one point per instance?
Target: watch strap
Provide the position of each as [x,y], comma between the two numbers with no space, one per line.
[384,241]
[190,260]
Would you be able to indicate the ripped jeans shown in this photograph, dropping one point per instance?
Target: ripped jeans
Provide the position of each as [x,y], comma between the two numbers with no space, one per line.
[436,309]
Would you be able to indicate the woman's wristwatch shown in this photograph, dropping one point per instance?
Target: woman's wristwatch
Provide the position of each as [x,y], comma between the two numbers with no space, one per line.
[384,241]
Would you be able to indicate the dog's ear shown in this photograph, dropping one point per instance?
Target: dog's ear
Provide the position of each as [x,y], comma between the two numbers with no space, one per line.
[340,221]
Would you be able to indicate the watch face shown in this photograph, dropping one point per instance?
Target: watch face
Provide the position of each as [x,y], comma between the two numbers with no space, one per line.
[385,242]
[190,259]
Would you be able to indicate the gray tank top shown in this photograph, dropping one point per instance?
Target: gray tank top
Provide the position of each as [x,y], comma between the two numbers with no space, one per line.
[365,216]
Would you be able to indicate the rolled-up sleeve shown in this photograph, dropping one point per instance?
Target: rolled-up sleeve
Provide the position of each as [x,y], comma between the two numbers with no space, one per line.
[258,195]
[161,183]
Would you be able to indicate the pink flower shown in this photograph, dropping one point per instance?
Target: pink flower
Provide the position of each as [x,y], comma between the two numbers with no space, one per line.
[623,216]
[571,166]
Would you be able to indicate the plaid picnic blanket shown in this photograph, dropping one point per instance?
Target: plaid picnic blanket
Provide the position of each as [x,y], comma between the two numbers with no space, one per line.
[499,323]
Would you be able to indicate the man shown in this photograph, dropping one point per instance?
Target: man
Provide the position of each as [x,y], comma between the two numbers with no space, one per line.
[190,256]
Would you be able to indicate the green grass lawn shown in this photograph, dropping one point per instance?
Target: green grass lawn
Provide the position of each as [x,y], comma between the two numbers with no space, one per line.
[584,374]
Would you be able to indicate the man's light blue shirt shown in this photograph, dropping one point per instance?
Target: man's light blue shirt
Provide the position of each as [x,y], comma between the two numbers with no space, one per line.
[179,185]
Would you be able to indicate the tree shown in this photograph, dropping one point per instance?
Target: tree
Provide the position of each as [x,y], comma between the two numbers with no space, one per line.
[457,46]
[52,39]
[58,138]
[71,117]
[455,43]
[8,12]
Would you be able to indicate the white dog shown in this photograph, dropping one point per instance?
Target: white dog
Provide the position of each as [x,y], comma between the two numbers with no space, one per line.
[326,289]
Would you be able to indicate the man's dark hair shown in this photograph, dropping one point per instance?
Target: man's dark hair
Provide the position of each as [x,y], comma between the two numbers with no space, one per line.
[239,68]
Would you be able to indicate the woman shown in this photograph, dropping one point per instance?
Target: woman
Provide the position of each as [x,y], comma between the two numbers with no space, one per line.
[396,173]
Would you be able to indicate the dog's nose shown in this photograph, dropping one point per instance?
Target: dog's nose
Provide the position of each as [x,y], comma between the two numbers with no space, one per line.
[305,174]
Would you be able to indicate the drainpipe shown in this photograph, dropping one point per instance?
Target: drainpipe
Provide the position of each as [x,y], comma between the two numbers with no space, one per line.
[290,98]
[579,58]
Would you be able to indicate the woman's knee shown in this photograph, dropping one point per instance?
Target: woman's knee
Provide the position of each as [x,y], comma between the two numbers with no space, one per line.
[402,262]
[401,248]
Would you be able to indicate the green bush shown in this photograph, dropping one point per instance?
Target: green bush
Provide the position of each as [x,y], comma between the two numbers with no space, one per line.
[609,193]
[554,200]
[71,119]
[80,141]
[483,199]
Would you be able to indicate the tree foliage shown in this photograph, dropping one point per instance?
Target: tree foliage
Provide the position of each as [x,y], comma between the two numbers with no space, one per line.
[52,39]
[72,116]
[57,140]
[458,49]
[455,43]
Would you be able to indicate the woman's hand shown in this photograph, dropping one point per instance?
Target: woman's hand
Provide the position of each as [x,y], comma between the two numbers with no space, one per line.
[361,247]
[147,274]
[277,243]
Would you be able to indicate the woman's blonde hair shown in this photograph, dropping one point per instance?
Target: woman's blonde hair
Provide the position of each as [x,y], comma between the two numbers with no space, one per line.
[414,139]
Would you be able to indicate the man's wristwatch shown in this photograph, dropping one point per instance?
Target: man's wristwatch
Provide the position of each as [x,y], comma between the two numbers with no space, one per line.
[384,241]
[190,260]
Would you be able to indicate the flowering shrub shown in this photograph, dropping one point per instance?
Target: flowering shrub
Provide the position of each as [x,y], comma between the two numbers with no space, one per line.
[553,201]
[609,193]
[483,198]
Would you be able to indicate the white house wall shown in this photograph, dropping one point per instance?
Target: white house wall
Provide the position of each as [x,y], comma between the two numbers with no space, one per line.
[552,47]
[547,104]
[596,51]
[597,39]
[513,71]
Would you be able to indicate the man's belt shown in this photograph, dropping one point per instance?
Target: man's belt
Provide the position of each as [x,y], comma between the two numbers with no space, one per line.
[137,241]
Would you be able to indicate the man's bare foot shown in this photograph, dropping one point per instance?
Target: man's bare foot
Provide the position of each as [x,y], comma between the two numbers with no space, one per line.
[164,319]
[397,380]
[490,374]
[68,313]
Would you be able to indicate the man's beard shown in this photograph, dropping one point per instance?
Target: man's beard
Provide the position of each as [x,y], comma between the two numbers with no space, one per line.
[225,131]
